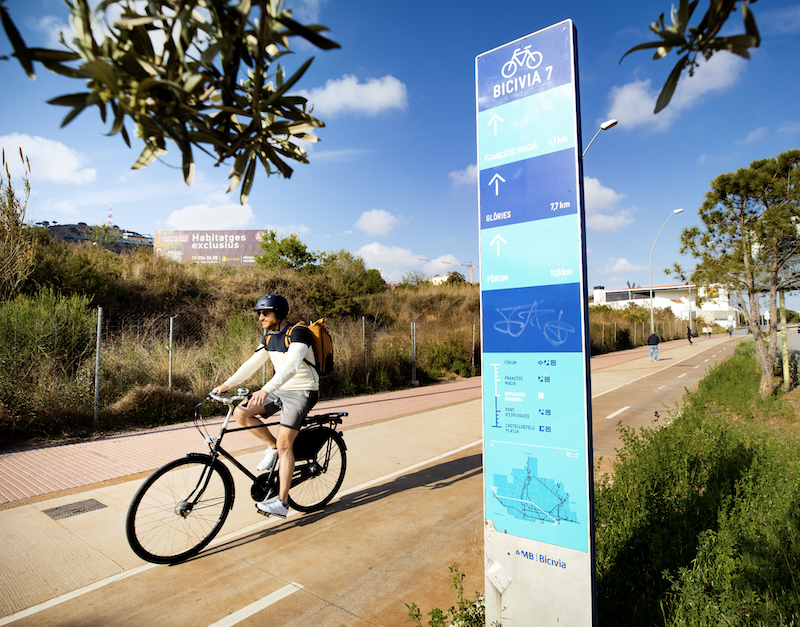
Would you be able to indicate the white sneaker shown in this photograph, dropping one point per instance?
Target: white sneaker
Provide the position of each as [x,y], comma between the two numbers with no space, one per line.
[270,455]
[275,507]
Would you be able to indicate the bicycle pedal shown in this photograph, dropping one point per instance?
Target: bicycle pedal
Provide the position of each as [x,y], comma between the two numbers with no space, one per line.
[262,512]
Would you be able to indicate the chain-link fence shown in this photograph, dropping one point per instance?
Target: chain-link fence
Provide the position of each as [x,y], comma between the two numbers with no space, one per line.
[148,370]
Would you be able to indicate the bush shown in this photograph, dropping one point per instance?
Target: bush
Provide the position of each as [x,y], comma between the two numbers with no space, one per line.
[699,524]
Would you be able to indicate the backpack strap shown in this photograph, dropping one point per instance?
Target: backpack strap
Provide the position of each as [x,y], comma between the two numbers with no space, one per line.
[288,340]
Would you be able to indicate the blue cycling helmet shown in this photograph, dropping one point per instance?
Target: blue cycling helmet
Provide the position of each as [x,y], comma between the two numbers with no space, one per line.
[274,302]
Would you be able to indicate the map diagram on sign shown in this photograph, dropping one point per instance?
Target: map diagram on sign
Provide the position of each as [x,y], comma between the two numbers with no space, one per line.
[527,496]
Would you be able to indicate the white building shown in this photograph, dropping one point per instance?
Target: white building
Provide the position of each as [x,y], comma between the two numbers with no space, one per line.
[717,304]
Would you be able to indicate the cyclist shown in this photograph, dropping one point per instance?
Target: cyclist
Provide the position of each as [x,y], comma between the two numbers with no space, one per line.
[294,390]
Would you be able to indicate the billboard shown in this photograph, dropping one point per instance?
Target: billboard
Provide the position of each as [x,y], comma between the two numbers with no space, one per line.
[231,248]
[536,398]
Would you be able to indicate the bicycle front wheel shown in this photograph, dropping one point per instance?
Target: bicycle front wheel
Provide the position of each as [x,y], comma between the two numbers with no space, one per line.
[179,509]
[320,465]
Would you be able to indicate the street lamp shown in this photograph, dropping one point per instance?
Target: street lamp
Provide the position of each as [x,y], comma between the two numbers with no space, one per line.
[603,127]
[652,326]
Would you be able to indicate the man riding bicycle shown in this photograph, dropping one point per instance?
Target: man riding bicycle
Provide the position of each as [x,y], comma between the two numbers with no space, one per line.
[293,390]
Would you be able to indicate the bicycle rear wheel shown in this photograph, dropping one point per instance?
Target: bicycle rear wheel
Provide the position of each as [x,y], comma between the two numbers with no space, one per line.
[320,464]
[179,509]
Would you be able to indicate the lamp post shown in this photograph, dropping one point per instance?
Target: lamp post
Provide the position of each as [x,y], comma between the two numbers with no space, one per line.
[603,127]
[652,327]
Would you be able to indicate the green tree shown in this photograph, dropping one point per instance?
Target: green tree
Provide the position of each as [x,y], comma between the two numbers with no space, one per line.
[284,252]
[200,73]
[455,278]
[103,236]
[702,39]
[413,278]
[339,282]
[17,249]
[748,242]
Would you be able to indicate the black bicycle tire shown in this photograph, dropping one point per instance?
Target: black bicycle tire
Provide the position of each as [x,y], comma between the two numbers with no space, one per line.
[156,502]
[323,485]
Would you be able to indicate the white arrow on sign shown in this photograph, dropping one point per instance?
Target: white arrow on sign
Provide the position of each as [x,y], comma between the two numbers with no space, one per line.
[495,119]
[499,240]
[497,179]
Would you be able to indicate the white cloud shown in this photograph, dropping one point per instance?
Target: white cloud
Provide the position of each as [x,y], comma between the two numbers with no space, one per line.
[620,265]
[50,160]
[306,11]
[347,95]
[781,21]
[392,261]
[789,128]
[633,103]
[444,264]
[602,213]
[219,217]
[465,178]
[289,229]
[52,27]
[377,222]
[754,136]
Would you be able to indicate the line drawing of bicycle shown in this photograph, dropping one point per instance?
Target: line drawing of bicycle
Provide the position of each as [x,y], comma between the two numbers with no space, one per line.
[522,56]
[517,319]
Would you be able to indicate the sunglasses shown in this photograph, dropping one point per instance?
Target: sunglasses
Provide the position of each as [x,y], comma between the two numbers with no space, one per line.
[262,311]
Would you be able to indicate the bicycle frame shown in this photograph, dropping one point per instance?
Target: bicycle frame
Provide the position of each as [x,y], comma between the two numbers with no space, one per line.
[215,447]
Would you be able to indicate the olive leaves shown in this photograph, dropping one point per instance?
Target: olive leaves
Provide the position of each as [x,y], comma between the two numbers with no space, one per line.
[204,74]
[702,39]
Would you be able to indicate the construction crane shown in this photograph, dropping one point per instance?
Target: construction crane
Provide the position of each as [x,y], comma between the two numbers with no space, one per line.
[451,263]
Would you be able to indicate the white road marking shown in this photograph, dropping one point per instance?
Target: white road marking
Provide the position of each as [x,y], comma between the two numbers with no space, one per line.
[246,612]
[696,367]
[652,373]
[618,412]
[217,541]
[681,375]
[661,388]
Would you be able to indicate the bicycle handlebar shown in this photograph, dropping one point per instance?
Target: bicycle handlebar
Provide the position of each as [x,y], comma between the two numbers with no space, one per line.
[230,400]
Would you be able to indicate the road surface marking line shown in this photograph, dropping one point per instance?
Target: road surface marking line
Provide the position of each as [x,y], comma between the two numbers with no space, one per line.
[73,595]
[618,412]
[217,541]
[651,373]
[696,367]
[254,608]
[682,375]
[660,388]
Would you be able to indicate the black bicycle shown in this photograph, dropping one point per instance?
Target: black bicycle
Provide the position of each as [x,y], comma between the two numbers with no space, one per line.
[182,506]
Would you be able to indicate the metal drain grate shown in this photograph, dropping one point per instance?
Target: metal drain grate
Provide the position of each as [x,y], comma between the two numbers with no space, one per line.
[73,509]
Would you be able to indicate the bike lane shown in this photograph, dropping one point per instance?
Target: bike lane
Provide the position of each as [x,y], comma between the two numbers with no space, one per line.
[383,542]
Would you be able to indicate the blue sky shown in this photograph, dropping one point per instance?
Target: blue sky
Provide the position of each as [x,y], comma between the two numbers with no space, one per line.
[394,177]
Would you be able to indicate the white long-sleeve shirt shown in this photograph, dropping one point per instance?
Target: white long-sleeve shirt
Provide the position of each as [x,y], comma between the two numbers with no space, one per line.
[294,366]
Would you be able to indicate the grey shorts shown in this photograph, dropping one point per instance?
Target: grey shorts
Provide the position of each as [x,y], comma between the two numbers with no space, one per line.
[294,406]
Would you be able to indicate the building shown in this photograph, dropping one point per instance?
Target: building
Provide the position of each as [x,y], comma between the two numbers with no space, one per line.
[717,305]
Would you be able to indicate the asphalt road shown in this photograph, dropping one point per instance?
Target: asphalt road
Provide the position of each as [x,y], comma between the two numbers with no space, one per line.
[410,506]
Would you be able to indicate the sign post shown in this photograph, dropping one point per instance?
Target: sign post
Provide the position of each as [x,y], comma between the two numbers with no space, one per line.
[538,485]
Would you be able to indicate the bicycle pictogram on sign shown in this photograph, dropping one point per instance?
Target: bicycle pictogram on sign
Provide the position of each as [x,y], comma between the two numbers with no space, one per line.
[522,56]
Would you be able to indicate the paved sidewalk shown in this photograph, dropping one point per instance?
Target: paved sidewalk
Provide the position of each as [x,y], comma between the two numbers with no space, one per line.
[34,472]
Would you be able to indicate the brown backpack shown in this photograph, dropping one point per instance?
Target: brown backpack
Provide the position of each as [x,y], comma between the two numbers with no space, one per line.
[321,342]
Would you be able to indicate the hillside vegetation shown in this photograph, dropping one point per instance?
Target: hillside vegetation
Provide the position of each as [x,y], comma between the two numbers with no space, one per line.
[48,333]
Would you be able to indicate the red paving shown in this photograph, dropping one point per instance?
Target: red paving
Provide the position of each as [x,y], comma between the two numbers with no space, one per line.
[32,472]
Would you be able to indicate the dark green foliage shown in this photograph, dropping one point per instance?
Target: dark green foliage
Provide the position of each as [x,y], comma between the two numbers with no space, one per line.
[283,252]
[699,525]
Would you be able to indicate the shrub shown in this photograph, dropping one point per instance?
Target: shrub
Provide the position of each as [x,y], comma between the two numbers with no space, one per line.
[698,525]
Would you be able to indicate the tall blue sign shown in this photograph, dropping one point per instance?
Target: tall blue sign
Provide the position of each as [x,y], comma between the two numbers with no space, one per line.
[536,397]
